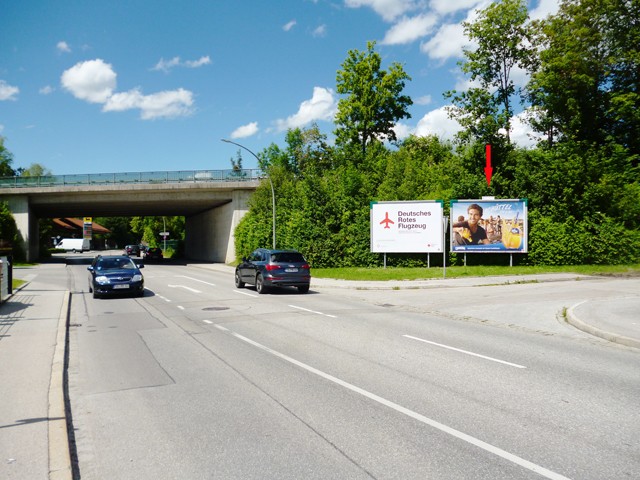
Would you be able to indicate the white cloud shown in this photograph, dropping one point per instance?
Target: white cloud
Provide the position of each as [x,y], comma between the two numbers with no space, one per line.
[63,47]
[544,9]
[409,29]
[320,31]
[93,81]
[437,122]
[167,104]
[166,65]
[389,10]
[245,130]
[322,106]
[46,90]
[444,7]
[198,63]
[289,25]
[446,43]
[8,92]
[521,132]
[424,100]
[402,131]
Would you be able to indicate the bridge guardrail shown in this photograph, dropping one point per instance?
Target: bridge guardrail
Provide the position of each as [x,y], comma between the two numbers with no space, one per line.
[180,176]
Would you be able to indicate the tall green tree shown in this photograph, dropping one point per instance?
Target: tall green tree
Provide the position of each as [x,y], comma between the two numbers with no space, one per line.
[502,37]
[35,170]
[6,158]
[374,102]
[587,88]
[306,151]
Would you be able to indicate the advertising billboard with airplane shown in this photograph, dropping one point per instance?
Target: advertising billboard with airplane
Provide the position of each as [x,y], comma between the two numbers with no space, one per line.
[406,227]
[494,226]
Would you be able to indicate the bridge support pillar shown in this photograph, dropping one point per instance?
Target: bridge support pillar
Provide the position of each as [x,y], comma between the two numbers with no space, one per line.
[27,224]
[210,235]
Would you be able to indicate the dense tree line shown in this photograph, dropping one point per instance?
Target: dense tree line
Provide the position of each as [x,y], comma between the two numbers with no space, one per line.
[581,181]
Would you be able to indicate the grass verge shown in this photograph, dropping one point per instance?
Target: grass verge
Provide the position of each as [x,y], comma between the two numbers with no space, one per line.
[405,273]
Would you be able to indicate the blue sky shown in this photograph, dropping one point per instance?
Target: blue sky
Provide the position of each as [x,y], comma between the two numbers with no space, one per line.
[141,85]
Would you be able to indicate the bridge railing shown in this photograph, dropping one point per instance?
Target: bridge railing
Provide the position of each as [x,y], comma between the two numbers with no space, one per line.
[180,176]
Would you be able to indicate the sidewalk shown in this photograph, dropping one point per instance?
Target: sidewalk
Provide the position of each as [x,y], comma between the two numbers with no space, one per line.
[33,433]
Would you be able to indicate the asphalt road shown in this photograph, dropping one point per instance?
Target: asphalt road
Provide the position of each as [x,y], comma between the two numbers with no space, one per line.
[201,380]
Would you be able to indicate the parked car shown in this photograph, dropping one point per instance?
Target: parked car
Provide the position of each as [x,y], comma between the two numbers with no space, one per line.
[132,250]
[153,254]
[115,274]
[274,268]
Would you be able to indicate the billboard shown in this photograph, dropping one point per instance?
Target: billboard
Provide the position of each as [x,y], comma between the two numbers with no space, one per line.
[406,227]
[489,226]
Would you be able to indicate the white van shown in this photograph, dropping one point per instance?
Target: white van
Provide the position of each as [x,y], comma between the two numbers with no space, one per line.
[74,244]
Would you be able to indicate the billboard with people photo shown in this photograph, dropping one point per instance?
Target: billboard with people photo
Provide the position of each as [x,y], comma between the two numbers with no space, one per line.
[489,226]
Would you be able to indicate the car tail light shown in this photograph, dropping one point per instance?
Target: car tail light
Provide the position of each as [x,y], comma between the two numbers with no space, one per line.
[306,265]
[270,267]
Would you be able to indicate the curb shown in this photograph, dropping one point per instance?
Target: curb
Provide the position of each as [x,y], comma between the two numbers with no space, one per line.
[573,320]
[59,456]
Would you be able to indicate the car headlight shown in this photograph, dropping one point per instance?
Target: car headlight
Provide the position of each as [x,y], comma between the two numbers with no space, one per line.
[102,280]
[137,278]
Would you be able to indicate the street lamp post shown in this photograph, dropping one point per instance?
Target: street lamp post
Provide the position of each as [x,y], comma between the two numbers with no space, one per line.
[273,194]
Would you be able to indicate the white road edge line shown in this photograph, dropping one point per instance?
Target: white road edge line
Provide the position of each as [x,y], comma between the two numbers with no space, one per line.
[197,280]
[312,311]
[208,321]
[465,352]
[410,413]
[160,296]
[185,287]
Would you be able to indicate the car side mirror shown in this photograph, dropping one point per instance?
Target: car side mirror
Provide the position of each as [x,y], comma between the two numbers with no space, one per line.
[90,269]
[141,265]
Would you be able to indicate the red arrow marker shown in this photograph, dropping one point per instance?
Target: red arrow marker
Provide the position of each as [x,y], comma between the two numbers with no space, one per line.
[488,170]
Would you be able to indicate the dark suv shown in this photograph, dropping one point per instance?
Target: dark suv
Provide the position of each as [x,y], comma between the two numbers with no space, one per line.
[274,268]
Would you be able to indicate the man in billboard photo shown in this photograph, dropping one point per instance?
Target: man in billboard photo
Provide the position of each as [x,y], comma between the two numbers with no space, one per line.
[469,231]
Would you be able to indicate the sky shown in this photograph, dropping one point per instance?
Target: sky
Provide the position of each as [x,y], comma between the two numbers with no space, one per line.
[91,86]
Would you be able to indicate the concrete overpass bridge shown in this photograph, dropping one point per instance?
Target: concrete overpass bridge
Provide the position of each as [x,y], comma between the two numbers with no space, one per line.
[212,202]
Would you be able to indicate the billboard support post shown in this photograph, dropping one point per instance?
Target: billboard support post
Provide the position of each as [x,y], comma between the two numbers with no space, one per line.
[445,223]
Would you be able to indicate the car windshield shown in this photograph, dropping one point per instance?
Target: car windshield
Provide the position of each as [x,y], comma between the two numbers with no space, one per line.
[115,263]
[287,257]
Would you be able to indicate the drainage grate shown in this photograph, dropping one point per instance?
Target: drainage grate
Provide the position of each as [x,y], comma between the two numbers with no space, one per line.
[209,309]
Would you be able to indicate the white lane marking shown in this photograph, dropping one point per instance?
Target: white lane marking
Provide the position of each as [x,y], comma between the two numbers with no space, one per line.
[180,307]
[312,311]
[208,321]
[163,298]
[185,287]
[245,293]
[410,413]
[465,352]
[197,280]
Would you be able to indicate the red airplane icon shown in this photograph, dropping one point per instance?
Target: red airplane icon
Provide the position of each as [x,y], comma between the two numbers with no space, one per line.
[387,220]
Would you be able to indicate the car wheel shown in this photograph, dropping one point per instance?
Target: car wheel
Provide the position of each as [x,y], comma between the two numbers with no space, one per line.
[95,294]
[260,287]
[303,289]
[239,283]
